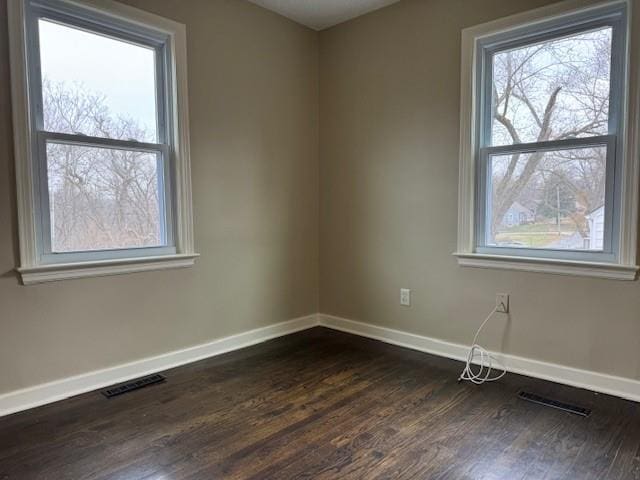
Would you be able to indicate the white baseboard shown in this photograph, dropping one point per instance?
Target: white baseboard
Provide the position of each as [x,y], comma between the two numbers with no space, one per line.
[598,382]
[67,387]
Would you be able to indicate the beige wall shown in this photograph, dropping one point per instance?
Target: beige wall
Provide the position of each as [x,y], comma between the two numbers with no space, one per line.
[389,129]
[253,110]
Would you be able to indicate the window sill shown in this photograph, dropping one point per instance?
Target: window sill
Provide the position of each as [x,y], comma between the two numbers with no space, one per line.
[612,271]
[67,271]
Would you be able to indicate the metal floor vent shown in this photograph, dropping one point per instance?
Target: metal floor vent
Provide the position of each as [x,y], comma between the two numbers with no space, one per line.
[567,407]
[133,385]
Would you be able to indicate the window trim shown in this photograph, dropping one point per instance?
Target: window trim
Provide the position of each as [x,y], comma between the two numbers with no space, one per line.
[175,108]
[66,13]
[468,254]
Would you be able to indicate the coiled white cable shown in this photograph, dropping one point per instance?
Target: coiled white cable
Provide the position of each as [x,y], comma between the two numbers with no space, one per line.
[486,360]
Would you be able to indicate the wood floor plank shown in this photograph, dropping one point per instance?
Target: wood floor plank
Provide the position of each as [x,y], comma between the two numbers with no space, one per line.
[323,405]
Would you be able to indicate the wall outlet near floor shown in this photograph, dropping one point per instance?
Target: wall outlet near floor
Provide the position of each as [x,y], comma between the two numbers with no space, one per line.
[502,302]
[405,297]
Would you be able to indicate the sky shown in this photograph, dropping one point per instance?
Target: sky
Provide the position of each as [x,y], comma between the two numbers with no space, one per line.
[124,73]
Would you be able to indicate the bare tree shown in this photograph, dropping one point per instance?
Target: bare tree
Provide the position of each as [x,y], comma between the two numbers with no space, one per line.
[551,91]
[100,198]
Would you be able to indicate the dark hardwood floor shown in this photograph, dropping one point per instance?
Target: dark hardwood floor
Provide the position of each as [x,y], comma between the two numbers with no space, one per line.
[323,405]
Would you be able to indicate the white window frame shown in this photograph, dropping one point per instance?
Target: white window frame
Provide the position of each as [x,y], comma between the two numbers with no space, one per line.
[168,38]
[618,261]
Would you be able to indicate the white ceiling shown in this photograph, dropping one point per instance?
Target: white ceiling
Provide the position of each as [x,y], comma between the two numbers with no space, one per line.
[321,14]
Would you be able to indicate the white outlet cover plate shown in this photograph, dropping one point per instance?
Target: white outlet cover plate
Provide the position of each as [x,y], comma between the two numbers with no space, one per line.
[405,297]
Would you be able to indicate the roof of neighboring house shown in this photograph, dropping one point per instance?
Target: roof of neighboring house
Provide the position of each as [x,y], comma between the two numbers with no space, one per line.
[594,210]
[519,206]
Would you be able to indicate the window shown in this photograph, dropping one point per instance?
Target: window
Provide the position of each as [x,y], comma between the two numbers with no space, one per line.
[547,182]
[101,139]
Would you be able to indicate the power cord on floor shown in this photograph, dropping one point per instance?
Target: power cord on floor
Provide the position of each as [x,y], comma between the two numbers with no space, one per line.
[485,363]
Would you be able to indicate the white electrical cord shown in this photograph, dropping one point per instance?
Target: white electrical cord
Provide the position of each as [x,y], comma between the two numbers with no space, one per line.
[486,360]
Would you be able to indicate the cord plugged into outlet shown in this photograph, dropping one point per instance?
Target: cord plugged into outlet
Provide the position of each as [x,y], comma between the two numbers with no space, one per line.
[480,357]
[502,303]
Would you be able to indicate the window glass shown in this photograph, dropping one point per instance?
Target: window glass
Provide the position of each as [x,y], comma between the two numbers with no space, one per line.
[552,90]
[549,199]
[96,85]
[103,198]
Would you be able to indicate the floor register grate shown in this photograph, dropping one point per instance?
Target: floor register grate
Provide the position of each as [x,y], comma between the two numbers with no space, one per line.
[567,407]
[133,385]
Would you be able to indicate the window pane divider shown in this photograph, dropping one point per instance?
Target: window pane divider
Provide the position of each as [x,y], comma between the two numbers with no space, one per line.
[564,144]
[89,141]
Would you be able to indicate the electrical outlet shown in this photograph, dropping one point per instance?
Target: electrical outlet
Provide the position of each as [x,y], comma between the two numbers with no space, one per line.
[405,297]
[502,303]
